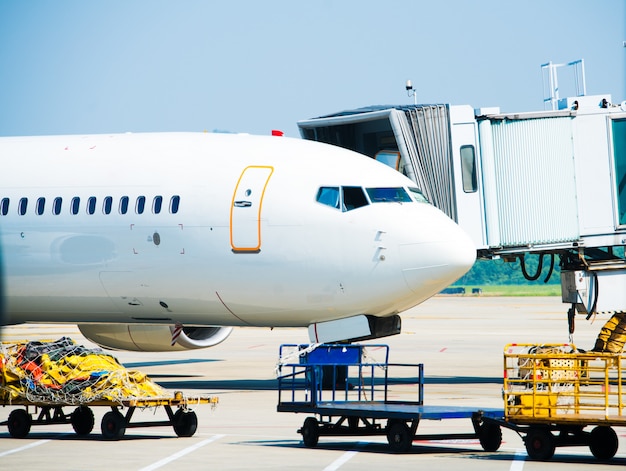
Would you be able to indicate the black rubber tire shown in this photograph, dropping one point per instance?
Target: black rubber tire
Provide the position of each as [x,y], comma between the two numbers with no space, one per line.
[540,444]
[113,425]
[399,436]
[185,423]
[82,420]
[603,443]
[310,432]
[490,436]
[19,423]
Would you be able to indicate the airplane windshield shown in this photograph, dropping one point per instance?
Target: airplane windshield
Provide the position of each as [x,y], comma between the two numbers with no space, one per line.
[418,196]
[388,195]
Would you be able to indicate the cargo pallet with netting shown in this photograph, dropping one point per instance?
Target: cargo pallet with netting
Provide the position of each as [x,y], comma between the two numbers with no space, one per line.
[48,376]
[552,392]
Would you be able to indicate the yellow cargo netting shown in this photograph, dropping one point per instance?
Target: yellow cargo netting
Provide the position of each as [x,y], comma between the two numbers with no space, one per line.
[62,372]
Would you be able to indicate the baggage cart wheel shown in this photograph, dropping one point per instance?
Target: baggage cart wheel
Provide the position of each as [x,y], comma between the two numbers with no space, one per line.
[399,436]
[113,425]
[82,420]
[310,432]
[490,436]
[603,442]
[540,443]
[185,423]
[19,423]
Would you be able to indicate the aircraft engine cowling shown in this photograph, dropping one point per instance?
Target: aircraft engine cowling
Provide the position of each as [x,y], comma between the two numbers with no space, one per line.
[153,338]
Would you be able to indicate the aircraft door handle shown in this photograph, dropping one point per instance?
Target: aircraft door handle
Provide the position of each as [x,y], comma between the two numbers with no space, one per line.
[243,204]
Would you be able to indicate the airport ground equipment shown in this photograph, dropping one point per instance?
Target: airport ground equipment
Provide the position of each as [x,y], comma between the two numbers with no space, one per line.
[553,392]
[348,393]
[50,376]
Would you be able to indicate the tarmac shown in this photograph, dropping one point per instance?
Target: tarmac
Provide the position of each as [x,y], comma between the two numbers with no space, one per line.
[460,340]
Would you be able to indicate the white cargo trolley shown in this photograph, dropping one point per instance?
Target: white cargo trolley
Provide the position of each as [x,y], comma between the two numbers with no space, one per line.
[348,395]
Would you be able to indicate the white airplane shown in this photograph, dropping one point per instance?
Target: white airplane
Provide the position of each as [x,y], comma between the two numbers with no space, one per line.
[165,241]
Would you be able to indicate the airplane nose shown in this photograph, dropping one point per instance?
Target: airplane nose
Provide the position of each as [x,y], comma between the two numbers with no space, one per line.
[436,264]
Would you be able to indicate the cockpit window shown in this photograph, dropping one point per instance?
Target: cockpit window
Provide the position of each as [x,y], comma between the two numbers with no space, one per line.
[353,197]
[328,196]
[418,196]
[345,198]
[388,195]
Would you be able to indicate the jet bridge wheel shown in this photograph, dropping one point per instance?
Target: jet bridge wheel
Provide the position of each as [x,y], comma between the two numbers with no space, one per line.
[185,423]
[82,420]
[399,436]
[113,425]
[310,432]
[540,443]
[603,442]
[19,423]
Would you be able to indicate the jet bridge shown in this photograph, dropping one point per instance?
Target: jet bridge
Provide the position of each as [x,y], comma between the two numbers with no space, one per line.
[551,182]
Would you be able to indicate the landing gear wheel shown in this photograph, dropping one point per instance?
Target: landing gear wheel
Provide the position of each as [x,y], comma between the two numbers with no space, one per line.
[82,420]
[19,423]
[399,436]
[603,443]
[540,444]
[310,432]
[113,425]
[490,436]
[185,423]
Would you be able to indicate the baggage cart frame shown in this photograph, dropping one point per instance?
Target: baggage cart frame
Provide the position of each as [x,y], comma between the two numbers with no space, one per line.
[355,401]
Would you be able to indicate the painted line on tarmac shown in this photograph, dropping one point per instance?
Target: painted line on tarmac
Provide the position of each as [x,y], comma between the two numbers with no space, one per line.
[181,453]
[518,461]
[343,459]
[22,448]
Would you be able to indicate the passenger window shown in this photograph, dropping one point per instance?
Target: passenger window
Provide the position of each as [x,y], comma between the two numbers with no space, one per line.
[174,204]
[75,205]
[22,206]
[57,203]
[468,169]
[124,204]
[353,197]
[328,196]
[107,204]
[91,205]
[157,203]
[4,206]
[141,205]
[41,206]
[388,195]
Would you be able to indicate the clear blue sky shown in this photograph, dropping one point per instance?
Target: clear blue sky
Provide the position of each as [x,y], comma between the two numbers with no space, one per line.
[251,66]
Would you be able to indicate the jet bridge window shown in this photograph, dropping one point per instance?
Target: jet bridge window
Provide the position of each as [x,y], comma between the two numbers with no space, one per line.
[468,169]
[619,156]
[388,195]
[4,206]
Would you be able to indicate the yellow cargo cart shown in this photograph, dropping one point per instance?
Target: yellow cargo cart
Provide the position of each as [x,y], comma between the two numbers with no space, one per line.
[49,375]
[553,392]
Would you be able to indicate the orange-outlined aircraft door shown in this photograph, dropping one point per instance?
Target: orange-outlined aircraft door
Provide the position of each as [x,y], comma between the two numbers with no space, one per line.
[246,207]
